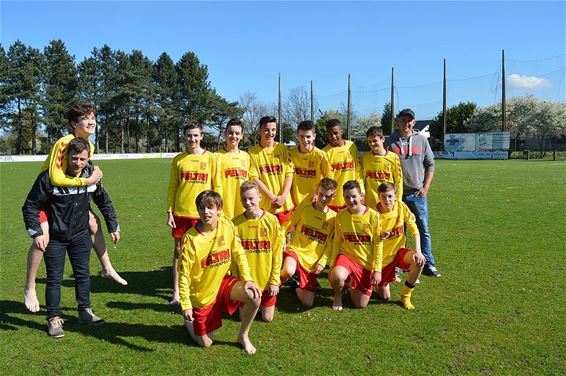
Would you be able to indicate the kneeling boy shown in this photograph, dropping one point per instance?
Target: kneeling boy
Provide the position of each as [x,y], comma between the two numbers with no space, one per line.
[395,216]
[357,249]
[311,247]
[205,288]
[262,240]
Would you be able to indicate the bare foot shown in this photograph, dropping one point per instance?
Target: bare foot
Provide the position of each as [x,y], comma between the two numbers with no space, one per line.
[112,274]
[246,344]
[30,300]
[337,302]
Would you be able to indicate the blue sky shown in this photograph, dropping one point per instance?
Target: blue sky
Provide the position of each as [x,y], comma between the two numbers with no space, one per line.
[246,44]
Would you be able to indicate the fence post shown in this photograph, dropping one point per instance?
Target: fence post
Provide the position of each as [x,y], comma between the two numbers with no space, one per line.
[554,155]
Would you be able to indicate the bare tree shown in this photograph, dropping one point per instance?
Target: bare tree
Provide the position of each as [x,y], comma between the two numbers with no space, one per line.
[296,106]
[252,110]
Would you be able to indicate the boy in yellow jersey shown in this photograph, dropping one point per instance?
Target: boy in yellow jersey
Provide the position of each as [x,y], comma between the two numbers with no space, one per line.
[310,163]
[272,170]
[262,240]
[192,172]
[233,165]
[379,166]
[82,119]
[395,216]
[357,249]
[311,247]
[208,250]
[343,157]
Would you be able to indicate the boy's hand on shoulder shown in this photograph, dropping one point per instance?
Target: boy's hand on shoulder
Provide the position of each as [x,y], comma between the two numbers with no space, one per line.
[95,177]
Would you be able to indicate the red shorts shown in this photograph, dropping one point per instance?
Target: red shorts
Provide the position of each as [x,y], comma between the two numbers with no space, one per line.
[388,271]
[283,216]
[359,278]
[208,319]
[268,301]
[336,208]
[42,216]
[307,280]
[183,224]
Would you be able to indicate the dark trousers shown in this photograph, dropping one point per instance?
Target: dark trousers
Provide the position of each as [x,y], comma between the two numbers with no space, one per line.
[79,255]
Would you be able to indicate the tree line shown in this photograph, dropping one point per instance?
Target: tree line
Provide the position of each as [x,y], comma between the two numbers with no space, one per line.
[142,104]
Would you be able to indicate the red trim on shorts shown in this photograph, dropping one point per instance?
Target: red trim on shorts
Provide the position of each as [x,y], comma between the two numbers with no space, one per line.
[336,208]
[283,216]
[267,300]
[307,279]
[42,216]
[359,277]
[208,319]
[183,224]
[388,271]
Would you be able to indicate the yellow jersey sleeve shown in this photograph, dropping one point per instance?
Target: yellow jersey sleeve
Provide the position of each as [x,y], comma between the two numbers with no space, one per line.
[56,163]
[184,266]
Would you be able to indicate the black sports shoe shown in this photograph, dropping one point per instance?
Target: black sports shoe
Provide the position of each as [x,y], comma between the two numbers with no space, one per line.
[431,271]
[293,282]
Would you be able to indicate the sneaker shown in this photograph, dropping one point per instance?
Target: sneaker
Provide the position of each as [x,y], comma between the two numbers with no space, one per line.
[431,271]
[293,282]
[55,327]
[88,317]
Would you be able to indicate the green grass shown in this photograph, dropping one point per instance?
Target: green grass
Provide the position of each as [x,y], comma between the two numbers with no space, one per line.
[499,308]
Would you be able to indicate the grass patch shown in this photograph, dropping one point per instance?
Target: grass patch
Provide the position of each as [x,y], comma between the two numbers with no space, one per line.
[498,232]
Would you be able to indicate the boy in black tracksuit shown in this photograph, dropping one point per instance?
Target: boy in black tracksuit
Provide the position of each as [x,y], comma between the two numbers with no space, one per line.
[67,211]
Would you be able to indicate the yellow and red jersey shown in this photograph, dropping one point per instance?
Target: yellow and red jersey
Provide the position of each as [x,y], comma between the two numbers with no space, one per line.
[378,169]
[309,169]
[57,161]
[344,162]
[393,226]
[191,174]
[234,169]
[313,231]
[205,260]
[271,165]
[262,240]
[357,236]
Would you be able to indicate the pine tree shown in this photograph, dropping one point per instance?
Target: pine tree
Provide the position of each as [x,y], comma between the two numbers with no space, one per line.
[61,86]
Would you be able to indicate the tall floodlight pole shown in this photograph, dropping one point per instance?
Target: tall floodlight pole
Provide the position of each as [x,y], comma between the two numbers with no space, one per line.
[279,119]
[392,101]
[444,114]
[349,110]
[312,102]
[503,115]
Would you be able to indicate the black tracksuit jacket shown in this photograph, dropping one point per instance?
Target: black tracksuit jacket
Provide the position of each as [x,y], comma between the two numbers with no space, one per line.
[66,207]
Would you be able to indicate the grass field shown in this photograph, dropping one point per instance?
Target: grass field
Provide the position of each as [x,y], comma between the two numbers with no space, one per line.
[499,308]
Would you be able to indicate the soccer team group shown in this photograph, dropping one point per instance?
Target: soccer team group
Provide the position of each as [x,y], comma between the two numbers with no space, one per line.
[244,223]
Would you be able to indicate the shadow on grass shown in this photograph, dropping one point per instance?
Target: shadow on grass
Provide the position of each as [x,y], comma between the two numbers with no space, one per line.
[113,332]
[154,283]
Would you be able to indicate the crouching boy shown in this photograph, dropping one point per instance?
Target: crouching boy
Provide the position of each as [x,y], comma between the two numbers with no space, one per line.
[312,226]
[395,216]
[207,252]
[357,249]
